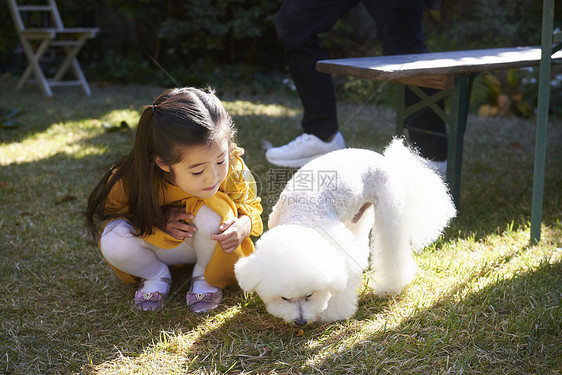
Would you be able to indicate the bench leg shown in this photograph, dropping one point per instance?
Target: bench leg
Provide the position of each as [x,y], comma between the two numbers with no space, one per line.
[542,121]
[456,121]
[459,111]
[406,114]
[400,110]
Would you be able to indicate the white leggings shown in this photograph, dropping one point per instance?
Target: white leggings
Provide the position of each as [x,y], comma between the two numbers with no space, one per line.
[135,256]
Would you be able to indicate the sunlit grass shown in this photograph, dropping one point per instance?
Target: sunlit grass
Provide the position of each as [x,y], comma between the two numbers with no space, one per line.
[59,138]
[245,107]
[67,137]
[484,300]
[417,320]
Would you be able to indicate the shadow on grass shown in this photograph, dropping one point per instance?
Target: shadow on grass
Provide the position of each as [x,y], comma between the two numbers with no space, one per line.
[508,326]
[490,322]
[65,308]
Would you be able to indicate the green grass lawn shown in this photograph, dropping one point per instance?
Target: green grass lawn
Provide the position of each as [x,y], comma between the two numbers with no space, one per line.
[484,300]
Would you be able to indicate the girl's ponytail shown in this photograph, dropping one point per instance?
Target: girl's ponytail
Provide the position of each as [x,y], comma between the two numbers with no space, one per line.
[144,177]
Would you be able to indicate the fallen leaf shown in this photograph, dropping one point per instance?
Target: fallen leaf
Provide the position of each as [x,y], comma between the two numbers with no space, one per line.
[516,145]
[64,197]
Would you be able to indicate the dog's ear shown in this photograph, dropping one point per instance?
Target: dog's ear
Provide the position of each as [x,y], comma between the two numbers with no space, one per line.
[280,208]
[337,281]
[246,276]
[274,216]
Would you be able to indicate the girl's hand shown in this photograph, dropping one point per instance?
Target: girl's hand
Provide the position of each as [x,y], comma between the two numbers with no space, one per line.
[233,231]
[177,226]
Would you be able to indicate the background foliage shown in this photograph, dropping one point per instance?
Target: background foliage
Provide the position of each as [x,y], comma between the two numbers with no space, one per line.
[231,43]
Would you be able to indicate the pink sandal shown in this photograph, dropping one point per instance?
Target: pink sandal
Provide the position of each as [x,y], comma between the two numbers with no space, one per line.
[202,302]
[152,300]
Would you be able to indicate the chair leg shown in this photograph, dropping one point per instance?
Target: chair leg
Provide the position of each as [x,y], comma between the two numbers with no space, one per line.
[34,67]
[72,62]
[81,77]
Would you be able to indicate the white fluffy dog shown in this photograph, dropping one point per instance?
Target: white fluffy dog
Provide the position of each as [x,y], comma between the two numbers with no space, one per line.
[310,264]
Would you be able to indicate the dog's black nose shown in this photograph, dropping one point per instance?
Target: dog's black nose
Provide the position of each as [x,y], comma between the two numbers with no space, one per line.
[300,321]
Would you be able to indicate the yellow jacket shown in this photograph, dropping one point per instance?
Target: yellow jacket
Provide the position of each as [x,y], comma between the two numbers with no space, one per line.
[237,195]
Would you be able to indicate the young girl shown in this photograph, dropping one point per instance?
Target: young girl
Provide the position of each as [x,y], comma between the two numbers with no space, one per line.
[183,195]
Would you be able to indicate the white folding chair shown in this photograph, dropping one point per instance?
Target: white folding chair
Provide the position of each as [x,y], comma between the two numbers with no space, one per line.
[36,41]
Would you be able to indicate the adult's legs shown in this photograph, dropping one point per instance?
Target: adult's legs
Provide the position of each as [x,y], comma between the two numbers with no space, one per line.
[298,24]
[400,28]
[431,146]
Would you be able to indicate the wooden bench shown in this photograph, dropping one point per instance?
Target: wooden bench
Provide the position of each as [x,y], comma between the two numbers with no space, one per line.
[450,72]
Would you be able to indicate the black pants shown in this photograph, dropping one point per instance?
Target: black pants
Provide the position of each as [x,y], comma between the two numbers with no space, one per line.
[298,24]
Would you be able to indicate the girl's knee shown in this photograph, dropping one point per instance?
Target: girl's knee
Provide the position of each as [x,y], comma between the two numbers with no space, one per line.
[207,221]
[117,240]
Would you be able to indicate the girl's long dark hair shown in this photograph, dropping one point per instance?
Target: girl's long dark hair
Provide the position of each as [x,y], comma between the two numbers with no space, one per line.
[179,118]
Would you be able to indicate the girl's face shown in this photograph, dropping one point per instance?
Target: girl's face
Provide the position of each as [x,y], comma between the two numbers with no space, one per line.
[202,169]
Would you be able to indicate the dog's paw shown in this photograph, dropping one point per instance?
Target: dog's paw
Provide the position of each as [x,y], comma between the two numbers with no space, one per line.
[384,288]
[340,307]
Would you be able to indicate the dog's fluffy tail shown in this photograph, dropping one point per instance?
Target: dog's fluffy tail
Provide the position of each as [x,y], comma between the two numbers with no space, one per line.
[429,207]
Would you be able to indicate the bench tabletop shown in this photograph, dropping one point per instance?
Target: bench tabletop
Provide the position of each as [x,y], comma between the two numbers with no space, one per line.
[435,63]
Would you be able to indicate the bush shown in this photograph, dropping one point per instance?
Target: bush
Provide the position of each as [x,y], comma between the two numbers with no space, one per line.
[222,32]
[201,41]
[486,24]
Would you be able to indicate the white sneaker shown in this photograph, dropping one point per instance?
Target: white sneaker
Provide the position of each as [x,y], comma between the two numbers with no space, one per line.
[303,149]
[440,167]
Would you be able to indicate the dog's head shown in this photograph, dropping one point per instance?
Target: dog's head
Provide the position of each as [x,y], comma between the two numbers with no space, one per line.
[295,271]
